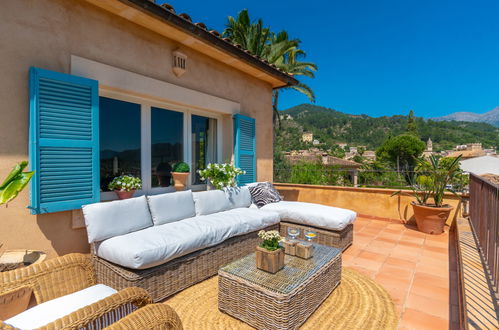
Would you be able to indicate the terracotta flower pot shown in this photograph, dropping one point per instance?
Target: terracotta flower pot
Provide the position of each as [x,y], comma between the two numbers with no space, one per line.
[180,180]
[269,261]
[431,220]
[124,194]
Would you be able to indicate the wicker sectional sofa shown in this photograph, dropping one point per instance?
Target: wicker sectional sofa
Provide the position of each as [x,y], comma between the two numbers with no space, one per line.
[166,243]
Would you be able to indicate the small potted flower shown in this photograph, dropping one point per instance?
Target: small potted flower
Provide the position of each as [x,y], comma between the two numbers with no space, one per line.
[269,254]
[180,175]
[125,186]
[220,176]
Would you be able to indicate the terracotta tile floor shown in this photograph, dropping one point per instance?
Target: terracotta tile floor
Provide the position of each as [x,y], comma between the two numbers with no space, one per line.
[413,267]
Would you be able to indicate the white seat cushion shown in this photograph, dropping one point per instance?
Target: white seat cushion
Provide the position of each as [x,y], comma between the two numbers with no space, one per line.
[159,244]
[52,310]
[171,207]
[238,196]
[209,202]
[109,219]
[310,214]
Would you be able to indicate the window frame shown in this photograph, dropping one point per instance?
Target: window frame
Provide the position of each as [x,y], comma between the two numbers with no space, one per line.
[145,127]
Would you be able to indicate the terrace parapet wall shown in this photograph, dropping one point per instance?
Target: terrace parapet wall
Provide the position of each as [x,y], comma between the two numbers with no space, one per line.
[367,202]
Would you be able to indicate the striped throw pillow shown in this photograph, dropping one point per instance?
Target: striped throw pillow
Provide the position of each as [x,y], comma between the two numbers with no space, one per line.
[264,193]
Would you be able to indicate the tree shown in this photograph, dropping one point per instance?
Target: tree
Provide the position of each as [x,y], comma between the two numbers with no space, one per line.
[412,127]
[276,48]
[402,151]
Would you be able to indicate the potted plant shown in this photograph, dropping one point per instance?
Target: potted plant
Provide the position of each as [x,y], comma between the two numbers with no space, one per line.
[15,182]
[220,176]
[269,254]
[180,175]
[432,179]
[125,186]
[10,188]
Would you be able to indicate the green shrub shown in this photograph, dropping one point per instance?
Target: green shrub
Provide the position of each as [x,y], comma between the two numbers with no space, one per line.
[181,167]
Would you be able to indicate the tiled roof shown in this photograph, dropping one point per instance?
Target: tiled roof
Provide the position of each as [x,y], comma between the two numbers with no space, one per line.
[199,29]
[467,153]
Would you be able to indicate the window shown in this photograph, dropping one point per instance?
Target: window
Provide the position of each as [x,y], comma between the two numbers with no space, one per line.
[204,138]
[167,143]
[146,139]
[119,131]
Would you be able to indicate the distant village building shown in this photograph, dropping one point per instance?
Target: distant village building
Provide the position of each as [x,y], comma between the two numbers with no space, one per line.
[316,142]
[314,155]
[490,152]
[468,151]
[369,155]
[307,137]
[342,145]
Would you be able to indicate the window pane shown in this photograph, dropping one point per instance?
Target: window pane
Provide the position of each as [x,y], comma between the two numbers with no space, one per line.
[204,139]
[167,139]
[119,139]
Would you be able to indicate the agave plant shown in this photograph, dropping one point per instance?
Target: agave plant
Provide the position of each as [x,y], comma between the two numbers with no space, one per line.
[15,182]
[433,178]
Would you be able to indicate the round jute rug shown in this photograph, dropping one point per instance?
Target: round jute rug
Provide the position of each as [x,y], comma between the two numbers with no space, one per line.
[357,303]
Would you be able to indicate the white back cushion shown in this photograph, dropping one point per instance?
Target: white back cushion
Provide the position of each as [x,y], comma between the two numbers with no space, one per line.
[238,196]
[208,202]
[105,220]
[54,309]
[171,207]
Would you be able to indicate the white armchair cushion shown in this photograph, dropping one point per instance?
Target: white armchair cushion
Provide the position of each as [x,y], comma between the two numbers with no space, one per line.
[208,202]
[238,196]
[106,220]
[54,309]
[171,207]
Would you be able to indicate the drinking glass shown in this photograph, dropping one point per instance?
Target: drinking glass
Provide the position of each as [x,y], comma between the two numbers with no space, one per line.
[293,233]
[310,234]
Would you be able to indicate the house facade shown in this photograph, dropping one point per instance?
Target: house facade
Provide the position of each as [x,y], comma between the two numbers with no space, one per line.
[92,89]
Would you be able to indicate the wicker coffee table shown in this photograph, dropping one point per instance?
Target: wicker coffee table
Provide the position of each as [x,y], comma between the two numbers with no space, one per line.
[283,300]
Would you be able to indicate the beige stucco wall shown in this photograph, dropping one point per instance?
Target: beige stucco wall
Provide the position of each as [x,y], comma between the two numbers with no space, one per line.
[45,33]
[370,202]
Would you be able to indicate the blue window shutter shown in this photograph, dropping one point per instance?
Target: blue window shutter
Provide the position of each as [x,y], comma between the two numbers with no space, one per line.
[245,148]
[63,141]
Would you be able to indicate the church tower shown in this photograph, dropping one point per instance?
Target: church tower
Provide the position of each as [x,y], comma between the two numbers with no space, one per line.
[429,145]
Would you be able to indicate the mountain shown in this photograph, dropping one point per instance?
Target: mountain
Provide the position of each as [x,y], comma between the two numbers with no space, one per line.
[331,127]
[491,117]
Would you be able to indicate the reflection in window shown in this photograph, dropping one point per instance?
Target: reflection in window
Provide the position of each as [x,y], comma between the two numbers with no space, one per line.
[204,136]
[166,144]
[119,130]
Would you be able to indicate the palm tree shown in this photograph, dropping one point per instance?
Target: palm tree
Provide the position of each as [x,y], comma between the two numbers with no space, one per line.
[277,49]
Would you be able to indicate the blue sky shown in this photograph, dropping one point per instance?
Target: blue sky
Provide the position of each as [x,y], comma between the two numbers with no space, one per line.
[384,57]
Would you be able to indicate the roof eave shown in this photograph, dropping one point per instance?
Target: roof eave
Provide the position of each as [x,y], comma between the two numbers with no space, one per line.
[187,26]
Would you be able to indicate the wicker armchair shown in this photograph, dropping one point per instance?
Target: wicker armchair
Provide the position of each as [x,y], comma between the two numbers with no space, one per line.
[74,272]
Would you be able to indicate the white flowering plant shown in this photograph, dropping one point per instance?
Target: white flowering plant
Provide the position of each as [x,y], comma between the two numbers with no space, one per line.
[270,239]
[221,175]
[125,183]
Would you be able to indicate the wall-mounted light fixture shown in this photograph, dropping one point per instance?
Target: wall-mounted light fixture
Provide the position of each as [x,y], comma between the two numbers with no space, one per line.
[179,63]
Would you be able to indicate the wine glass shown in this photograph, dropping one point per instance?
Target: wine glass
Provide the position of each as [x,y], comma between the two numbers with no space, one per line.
[310,235]
[293,233]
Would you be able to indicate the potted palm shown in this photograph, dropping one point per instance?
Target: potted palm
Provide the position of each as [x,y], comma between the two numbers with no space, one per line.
[432,179]
[125,186]
[180,175]
[269,254]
